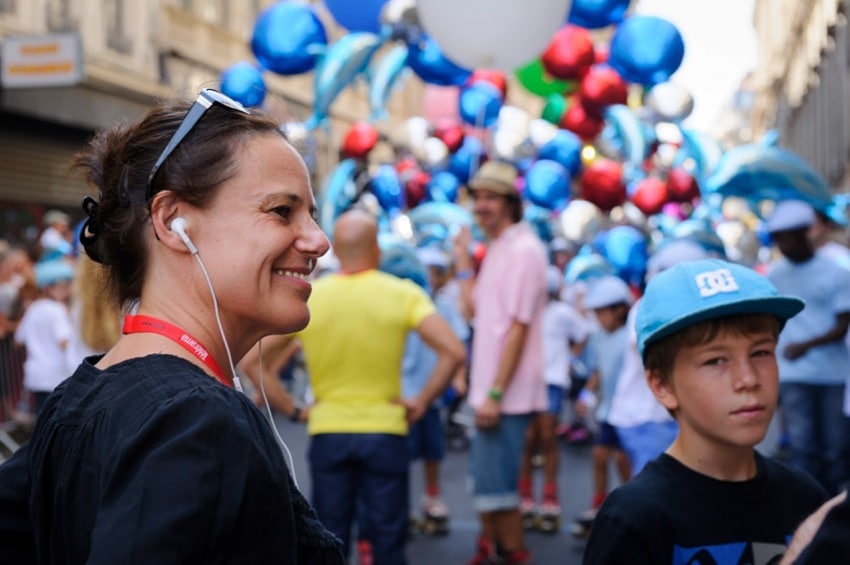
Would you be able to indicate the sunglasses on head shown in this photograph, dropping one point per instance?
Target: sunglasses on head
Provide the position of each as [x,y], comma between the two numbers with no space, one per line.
[206,100]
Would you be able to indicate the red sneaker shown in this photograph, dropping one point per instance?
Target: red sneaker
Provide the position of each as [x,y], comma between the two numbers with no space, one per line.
[485,553]
[364,552]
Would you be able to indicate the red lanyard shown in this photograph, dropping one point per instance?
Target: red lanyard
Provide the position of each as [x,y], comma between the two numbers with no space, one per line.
[147,324]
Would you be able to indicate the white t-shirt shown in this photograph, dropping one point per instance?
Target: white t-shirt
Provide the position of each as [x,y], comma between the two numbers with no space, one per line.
[562,325]
[44,328]
[633,403]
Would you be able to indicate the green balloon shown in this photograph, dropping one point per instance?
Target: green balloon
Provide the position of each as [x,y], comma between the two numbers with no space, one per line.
[554,109]
[536,80]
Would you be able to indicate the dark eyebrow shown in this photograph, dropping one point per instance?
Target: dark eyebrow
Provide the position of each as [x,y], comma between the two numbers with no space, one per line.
[294,200]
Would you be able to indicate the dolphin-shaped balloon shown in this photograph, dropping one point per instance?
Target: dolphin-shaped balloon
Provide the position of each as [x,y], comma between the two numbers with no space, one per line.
[626,126]
[703,149]
[348,57]
[446,213]
[337,194]
[757,172]
[384,78]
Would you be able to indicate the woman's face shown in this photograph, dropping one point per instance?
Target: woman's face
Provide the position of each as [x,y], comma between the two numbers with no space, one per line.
[261,241]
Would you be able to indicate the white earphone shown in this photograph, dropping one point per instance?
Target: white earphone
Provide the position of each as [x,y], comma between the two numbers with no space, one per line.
[178,226]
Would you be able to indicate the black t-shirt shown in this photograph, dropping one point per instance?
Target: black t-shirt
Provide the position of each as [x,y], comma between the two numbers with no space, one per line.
[671,514]
[153,461]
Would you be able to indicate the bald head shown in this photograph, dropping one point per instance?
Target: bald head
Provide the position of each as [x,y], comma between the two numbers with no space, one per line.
[355,241]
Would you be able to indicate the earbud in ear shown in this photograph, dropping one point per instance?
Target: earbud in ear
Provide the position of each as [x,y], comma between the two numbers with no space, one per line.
[178,226]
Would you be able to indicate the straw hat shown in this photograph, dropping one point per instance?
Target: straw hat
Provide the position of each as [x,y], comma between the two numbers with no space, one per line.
[497,176]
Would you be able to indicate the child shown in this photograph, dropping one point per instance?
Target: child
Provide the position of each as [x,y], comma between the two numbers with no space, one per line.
[707,333]
[564,332]
[609,298]
[45,330]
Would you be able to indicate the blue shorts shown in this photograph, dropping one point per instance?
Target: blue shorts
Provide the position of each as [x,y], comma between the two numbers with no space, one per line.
[645,442]
[556,399]
[608,436]
[426,437]
[495,457]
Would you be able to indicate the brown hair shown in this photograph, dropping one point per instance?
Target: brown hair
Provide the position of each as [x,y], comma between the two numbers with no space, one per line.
[660,356]
[117,162]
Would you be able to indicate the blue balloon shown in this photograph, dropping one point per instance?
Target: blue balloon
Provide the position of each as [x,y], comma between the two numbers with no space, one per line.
[703,149]
[428,62]
[288,38]
[384,77]
[479,104]
[541,220]
[348,57]
[426,216]
[465,161]
[399,258]
[565,148]
[359,15]
[387,188]
[443,187]
[646,49]
[338,194]
[244,83]
[702,233]
[547,184]
[626,248]
[586,266]
[596,14]
[627,129]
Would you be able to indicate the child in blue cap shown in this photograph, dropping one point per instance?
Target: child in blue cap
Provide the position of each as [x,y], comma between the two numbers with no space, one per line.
[707,333]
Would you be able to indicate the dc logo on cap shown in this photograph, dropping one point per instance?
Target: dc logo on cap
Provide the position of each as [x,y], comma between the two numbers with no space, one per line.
[714,282]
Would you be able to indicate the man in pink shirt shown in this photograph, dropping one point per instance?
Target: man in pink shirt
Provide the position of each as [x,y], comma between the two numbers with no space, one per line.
[505,303]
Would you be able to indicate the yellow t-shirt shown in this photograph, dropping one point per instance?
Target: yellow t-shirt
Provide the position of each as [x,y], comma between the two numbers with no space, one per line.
[353,349]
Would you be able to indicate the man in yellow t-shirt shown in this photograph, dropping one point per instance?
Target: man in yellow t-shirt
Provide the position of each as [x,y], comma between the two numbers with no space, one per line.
[353,349]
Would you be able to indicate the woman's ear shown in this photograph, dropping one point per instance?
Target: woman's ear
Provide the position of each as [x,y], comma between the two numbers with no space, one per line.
[662,389]
[165,207]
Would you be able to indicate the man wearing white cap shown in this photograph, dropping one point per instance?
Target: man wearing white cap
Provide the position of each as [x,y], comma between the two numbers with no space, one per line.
[814,363]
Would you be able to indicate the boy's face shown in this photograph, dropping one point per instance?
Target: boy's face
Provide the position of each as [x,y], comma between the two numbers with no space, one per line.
[610,318]
[724,391]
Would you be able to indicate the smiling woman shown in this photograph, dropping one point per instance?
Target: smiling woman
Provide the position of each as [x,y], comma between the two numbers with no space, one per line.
[177,465]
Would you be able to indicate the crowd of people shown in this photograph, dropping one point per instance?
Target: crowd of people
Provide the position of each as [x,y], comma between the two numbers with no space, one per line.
[156,332]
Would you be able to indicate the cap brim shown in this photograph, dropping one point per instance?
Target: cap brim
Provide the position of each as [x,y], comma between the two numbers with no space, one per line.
[493,185]
[783,307]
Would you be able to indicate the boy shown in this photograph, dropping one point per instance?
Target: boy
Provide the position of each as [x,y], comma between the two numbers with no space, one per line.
[707,333]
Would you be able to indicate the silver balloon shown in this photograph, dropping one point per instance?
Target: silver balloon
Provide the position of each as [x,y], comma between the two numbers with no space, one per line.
[670,102]
[581,221]
[403,20]
[303,141]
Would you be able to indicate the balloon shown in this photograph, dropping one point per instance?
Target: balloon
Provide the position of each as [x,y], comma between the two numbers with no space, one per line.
[443,187]
[646,49]
[534,78]
[384,78]
[569,53]
[288,38]
[650,195]
[509,140]
[564,148]
[479,104]
[337,194]
[703,233]
[602,184]
[554,109]
[587,266]
[363,15]
[703,149]
[386,186]
[399,258]
[492,34]
[756,173]
[547,184]
[449,132]
[670,102]
[541,132]
[415,186]
[581,121]
[303,142]
[627,130]
[445,213]
[431,65]
[496,78]
[626,248]
[244,83]
[434,151]
[596,14]
[360,139]
[681,185]
[601,86]
[345,59]
[402,19]
[540,219]
[466,160]
[580,220]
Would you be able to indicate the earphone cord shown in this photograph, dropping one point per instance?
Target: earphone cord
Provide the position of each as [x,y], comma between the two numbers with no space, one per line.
[237,383]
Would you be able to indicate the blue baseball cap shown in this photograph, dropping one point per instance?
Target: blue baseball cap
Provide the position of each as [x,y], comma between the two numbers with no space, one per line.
[695,291]
[52,272]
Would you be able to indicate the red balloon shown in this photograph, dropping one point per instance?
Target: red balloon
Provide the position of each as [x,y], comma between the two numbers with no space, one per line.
[602,184]
[650,195]
[569,54]
[681,185]
[602,86]
[416,186]
[360,139]
[451,133]
[582,121]
[494,77]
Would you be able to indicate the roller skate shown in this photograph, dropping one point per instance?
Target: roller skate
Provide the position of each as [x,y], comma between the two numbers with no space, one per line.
[364,553]
[580,527]
[528,510]
[435,516]
[550,516]
[485,553]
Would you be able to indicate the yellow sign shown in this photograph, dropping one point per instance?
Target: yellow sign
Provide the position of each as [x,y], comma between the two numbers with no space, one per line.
[42,60]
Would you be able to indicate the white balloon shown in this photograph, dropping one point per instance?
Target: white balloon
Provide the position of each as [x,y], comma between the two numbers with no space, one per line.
[541,132]
[434,151]
[492,34]
[417,132]
[670,101]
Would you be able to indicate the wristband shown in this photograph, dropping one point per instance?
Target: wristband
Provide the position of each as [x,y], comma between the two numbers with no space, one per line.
[465,275]
[587,398]
[495,394]
[296,414]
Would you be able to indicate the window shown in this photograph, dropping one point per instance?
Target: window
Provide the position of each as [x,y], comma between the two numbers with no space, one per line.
[59,17]
[117,38]
[7,6]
